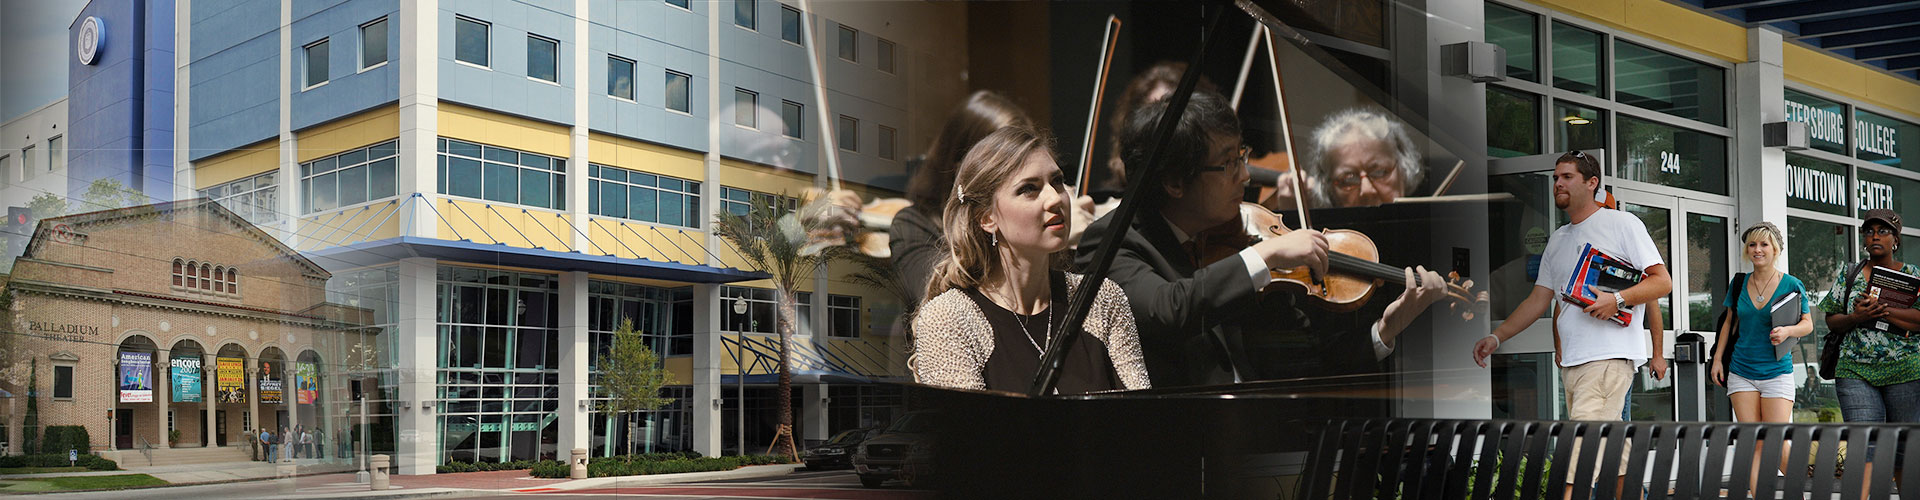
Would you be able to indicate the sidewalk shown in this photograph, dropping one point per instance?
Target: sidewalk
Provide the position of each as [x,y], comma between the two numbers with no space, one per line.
[258,481]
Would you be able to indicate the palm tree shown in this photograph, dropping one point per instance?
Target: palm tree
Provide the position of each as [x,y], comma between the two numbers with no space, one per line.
[774,240]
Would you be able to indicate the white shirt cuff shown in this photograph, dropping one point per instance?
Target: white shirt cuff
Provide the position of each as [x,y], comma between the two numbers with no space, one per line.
[1380,349]
[1256,269]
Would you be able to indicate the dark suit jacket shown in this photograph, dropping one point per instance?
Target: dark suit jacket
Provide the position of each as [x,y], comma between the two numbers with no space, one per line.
[1201,324]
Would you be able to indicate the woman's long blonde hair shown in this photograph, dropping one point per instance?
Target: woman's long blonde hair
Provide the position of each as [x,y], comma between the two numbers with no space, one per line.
[1771,232]
[971,257]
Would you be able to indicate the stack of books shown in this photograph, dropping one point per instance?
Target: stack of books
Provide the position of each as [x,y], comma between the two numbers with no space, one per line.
[1599,271]
[1896,289]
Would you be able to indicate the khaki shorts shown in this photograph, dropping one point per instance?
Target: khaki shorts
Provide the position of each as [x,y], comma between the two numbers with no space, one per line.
[1597,391]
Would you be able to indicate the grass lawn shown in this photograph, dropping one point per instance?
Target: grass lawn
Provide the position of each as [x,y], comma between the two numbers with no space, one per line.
[43,485]
[38,470]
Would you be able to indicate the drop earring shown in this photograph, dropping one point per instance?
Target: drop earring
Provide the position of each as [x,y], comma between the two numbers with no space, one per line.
[996,238]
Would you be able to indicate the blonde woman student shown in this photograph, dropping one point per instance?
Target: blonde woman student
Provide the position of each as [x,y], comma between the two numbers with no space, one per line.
[997,300]
[1760,383]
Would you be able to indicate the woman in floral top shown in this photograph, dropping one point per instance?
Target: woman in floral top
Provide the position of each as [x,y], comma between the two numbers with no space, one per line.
[1878,379]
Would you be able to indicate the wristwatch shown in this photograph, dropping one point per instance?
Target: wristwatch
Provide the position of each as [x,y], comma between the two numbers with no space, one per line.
[1619,302]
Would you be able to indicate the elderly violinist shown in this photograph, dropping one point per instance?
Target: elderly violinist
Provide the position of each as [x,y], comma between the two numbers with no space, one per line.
[1208,322]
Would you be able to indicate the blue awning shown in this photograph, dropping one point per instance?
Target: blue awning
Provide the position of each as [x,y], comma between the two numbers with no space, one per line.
[389,250]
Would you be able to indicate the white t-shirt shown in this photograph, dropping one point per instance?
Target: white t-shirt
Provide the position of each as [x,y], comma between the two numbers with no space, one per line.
[1583,338]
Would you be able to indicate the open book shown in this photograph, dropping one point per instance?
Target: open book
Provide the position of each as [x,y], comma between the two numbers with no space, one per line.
[1599,271]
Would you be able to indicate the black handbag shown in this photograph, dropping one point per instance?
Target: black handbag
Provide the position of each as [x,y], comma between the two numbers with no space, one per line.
[1830,348]
[1731,314]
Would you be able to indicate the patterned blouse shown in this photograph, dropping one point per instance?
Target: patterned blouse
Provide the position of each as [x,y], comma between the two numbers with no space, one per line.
[953,339]
[1878,358]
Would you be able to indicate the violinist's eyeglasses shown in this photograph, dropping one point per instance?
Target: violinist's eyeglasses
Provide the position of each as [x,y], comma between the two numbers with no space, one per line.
[1239,162]
[1351,180]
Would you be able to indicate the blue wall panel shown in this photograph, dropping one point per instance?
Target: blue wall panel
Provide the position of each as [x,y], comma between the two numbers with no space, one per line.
[104,100]
[157,128]
[348,89]
[235,75]
[503,85]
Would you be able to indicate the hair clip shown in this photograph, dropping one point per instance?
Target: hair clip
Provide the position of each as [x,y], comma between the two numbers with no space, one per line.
[959,195]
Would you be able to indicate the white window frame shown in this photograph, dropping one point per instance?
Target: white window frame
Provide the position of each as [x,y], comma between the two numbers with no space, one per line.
[688,88]
[753,15]
[306,68]
[844,49]
[73,382]
[56,148]
[593,194]
[886,54]
[6,170]
[797,129]
[486,34]
[849,130]
[832,308]
[751,110]
[556,59]
[632,68]
[799,26]
[386,53]
[688,7]
[27,168]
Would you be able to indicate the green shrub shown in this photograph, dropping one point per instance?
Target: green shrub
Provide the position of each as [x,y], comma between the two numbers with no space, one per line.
[457,466]
[657,463]
[91,462]
[60,438]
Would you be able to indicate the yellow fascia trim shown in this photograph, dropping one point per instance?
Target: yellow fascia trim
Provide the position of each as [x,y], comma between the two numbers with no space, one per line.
[497,267]
[646,157]
[763,179]
[250,160]
[1666,22]
[639,281]
[507,131]
[357,131]
[1832,74]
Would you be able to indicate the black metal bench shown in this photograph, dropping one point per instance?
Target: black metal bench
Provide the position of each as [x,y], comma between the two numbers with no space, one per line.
[1451,459]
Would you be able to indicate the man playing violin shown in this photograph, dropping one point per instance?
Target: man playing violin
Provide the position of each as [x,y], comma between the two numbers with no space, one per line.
[1598,357]
[1201,320]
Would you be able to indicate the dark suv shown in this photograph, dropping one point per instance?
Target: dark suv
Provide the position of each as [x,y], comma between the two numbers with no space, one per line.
[837,452]
[904,451]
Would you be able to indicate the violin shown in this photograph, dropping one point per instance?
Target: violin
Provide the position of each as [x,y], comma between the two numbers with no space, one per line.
[1354,270]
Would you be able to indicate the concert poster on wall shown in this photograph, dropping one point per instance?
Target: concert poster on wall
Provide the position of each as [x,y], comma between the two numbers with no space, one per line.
[306,387]
[270,387]
[231,386]
[186,380]
[136,377]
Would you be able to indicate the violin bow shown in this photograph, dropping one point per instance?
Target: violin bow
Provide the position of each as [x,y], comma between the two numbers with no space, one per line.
[1286,134]
[1082,297]
[1112,39]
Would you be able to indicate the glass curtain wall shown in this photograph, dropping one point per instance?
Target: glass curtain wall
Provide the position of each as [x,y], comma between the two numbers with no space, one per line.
[498,354]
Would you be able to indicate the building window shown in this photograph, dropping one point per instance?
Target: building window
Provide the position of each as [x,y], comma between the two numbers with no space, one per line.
[373,43]
[684,4]
[849,43]
[499,351]
[1826,120]
[760,311]
[256,198]
[1513,123]
[1669,84]
[629,194]
[620,77]
[1671,156]
[62,382]
[193,274]
[849,132]
[743,15]
[28,168]
[790,25]
[470,44]
[504,175]
[543,61]
[1578,127]
[349,178]
[790,113]
[206,276]
[740,201]
[843,315]
[219,285]
[1876,139]
[179,276]
[886,143]
[1516,32]
[1579,59]
[662,316]
[6,170]
[885,55]
[746,105]
[316,63]
[56,153]
[677,92]
[233,281]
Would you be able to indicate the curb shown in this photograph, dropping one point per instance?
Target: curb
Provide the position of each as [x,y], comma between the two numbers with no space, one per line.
[395,494]
[748,472]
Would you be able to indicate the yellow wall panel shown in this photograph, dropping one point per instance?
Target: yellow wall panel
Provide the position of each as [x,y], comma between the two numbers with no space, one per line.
[1662,21]
[681,368]
[487,127]
[763,179]
[343,134]
[631,240]
[653,158]
[510,225]
[1832,74]
[354,225]
[254,159]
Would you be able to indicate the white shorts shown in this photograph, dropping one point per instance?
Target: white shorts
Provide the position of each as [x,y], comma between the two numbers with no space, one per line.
[1780,387]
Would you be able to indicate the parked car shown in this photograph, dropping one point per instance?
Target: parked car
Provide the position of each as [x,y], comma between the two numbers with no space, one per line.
[838,451]
[904,451]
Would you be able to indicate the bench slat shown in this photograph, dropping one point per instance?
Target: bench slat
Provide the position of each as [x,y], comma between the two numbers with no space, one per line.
[1581,476]
[1824,462]
[1882,478]
[1516,440]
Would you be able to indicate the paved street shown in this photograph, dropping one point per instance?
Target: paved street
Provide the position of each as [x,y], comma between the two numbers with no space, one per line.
[842,485]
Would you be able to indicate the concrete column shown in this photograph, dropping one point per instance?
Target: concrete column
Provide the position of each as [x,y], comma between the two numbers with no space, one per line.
[813,401]
[161,387]
[206,398]
[414,362]
[707,356]
[577,195]
[289,147]
[576,422]
[183,175]
[251,366]
[1759,97]
[1456,110]
[419,60]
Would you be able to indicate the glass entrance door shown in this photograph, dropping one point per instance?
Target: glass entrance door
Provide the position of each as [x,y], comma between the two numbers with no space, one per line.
[1695,239]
